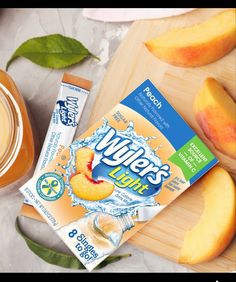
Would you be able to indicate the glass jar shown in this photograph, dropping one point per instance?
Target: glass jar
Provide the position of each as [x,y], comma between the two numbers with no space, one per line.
[16,138]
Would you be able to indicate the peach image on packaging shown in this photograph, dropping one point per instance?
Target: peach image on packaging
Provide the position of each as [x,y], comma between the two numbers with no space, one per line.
[117,175]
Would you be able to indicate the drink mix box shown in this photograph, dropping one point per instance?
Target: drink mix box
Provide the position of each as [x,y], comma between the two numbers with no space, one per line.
[118,175]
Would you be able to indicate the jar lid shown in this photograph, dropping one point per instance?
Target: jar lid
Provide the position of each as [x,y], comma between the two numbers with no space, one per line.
[11,129]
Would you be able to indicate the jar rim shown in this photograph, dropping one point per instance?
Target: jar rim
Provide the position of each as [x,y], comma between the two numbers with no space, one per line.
[15,129]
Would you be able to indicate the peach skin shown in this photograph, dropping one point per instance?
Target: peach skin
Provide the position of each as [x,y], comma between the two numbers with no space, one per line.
[215,112]
[217,224]
[197,45]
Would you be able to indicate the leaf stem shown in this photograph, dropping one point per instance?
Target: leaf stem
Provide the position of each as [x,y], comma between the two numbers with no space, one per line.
[95,57]
[61,259]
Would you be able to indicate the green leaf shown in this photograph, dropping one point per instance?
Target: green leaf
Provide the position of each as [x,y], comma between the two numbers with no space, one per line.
[52,51]
[61,259]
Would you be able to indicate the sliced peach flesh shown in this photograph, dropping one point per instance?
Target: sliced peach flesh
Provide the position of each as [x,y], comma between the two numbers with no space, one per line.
[197,45]
[88,189]
[215,112]
[84,159]
[217,225]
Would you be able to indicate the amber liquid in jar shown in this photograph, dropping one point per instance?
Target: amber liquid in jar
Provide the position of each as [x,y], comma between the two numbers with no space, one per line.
[17,149]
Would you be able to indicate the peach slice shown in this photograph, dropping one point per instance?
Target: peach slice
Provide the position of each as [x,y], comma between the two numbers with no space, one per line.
[199,44]
[84,159]
[215,112]
[217,224]
[88,189]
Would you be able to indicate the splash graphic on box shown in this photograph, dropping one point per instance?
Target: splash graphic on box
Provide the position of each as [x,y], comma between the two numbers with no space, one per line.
[119,174]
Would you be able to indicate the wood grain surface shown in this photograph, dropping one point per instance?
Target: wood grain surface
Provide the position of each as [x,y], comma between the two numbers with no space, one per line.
[130,66]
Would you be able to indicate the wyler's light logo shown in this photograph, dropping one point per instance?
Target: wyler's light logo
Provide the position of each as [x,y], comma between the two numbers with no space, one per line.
[128,168]
[68,110]
[50,186]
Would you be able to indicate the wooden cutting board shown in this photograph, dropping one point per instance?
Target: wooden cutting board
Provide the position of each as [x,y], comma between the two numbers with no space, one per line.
[130,66]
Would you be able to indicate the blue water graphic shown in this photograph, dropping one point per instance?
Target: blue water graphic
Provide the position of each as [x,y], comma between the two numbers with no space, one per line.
[117,203]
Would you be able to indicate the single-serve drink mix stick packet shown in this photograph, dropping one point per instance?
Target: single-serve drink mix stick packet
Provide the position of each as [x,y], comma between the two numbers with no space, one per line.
[119,174]
[66,115]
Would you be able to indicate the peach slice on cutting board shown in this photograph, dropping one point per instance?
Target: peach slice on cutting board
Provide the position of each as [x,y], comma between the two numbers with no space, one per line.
[217,224]
[215,112]
[199,44]
[88,189]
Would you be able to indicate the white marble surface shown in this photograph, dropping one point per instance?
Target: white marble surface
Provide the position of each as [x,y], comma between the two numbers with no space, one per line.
[40,86]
